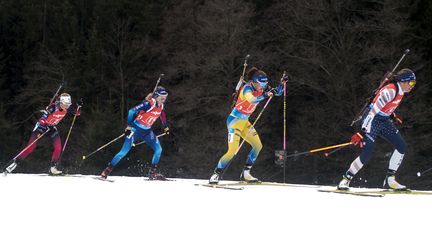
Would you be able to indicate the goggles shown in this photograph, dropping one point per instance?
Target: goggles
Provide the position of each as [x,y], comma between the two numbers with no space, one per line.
[261,80]
[412,83]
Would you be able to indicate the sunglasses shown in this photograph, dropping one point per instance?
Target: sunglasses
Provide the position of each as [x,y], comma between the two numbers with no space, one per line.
[412,83]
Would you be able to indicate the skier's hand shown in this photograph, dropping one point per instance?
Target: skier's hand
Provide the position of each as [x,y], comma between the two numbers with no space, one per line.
[80,102]
[357,139]
[268,94]
[128,130]
[41,126]
[367,124]
[166,130]
[284,80]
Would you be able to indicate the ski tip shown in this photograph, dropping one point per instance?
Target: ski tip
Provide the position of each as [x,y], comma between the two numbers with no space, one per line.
[407,51]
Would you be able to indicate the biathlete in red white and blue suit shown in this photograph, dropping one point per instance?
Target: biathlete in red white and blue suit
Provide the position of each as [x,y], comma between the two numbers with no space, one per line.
[140,120]
[47,123]
[377,122]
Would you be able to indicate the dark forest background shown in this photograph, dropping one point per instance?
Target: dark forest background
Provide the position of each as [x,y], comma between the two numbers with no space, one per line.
[111,53]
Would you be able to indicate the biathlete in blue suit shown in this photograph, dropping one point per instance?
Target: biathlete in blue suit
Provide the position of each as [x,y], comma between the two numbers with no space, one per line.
[140,119]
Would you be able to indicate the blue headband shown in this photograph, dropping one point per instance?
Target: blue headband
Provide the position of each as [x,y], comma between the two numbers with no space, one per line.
[406,77]
[160,92]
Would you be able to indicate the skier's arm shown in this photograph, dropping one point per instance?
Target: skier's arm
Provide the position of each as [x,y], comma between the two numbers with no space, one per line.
[73,109]
[163,119]
[247,94]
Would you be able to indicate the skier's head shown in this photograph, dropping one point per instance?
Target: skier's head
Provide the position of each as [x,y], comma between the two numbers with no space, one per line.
[258,78]
[160,94]
[65,101]
[406,79]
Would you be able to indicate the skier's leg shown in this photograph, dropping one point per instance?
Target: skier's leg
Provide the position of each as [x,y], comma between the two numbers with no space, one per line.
[127,144]
[364,157]
[55,138]
[251,136]
[30,149]
[151,140]
[393,136]
[235,126]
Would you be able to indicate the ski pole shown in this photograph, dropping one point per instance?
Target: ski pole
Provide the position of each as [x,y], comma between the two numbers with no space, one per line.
[55,95]
[333,151]
[103,146]
[250,129]
[70,130]
[383,82]
[24,149]
[284,127]
[160,135]
[158,81]
[319,149]
[241,80]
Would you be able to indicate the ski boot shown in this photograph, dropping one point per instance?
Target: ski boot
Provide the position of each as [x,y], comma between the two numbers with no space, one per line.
[106,171]
[153,174]
[344,183]
[214,179]
[246,175]
[54,170]
[391,183]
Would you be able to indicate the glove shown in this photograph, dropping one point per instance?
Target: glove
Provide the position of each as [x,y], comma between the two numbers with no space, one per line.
[284,80]
[80,102]
[268,94]
[367,124]
[41,126]
[166,130]
[128,130]
[357,139]
[396,119]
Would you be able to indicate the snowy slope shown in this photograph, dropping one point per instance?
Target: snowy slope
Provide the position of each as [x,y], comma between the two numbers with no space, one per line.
[81,209]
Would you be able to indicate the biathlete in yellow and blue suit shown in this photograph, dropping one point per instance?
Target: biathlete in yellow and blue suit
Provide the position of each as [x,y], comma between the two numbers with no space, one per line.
[250,95]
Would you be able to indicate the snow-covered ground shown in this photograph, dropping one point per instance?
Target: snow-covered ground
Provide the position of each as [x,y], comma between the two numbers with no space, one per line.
[81,209]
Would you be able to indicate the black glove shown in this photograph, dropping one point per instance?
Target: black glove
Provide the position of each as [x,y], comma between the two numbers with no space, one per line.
[128,130]
[80,102]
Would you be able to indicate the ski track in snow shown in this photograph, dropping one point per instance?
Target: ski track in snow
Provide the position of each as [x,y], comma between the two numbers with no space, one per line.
[81,209]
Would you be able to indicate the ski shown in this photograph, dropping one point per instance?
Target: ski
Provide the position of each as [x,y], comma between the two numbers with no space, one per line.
[102,179]
[244,183]
[363,194]
[389,191]
[165,179]
[220,186]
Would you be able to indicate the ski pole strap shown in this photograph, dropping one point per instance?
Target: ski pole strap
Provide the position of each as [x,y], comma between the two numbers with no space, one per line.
[103,146]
